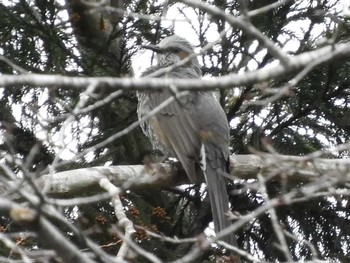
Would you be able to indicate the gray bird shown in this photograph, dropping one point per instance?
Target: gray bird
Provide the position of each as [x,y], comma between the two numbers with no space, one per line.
[192,128]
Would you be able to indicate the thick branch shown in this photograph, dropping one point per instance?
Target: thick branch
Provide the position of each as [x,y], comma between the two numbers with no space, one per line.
[124,176]
[290,168]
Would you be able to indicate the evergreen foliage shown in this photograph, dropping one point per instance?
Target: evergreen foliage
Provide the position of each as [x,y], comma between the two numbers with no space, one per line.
[52,37]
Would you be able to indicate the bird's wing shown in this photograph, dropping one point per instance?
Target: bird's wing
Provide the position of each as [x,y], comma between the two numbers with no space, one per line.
[189,125]
[177,124]
[213,126]
[215,137]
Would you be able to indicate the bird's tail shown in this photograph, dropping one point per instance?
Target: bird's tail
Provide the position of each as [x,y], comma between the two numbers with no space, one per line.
[216,186]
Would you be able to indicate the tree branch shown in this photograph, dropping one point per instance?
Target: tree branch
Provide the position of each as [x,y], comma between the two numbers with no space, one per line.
[290,168]
[48,234]
[278,71]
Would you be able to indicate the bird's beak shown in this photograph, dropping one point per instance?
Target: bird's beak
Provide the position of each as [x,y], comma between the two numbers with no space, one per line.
[154,48]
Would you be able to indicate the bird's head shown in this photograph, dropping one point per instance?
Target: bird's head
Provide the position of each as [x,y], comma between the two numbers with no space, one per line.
[172,49]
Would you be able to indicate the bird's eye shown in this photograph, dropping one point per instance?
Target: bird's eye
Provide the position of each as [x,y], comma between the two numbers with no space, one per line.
[174,49]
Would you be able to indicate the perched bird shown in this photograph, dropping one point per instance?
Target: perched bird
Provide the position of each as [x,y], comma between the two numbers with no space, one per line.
[192,128]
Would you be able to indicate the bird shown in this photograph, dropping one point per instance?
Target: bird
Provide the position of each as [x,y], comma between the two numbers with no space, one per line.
[192,128]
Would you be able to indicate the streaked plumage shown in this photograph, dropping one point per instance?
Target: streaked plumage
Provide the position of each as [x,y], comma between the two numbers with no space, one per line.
[186,125]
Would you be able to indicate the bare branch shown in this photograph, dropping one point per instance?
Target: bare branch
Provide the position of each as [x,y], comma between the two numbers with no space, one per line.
[296,63]
[243,24]
[48,233]
[300,169]
[125,222]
